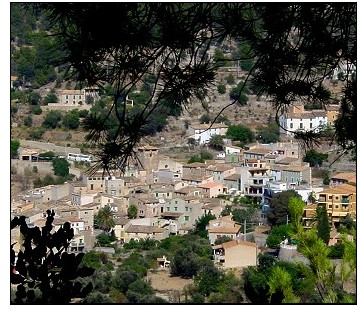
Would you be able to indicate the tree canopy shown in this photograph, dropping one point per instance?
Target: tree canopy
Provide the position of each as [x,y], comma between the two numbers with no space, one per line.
[287,51]
[279,207]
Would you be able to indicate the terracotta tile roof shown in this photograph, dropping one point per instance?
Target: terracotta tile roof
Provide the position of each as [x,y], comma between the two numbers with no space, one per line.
[171,214]
[286,160]
[90,205]
[349,176]
[221,167]
[308,114]
[121,221]
[210,185]
[295,168]
[144,229]
[225,229]
[262,151]
[72,92]
[234,243]
[341,189]
[233,177]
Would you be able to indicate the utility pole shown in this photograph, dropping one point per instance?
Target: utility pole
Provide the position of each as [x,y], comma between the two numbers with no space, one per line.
[245,229]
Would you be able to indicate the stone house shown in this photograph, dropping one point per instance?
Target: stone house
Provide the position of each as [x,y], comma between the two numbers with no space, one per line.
[236,254]
[212,189]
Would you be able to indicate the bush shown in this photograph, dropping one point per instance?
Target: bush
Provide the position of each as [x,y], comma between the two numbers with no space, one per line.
[221,88]
[336,251]
[36,110]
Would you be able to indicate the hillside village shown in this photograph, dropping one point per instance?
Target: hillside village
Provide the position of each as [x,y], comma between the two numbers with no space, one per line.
[170,196]
[170,186]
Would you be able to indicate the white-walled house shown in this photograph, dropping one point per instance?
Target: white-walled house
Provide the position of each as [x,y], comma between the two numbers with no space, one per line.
[202,133]
[298,119]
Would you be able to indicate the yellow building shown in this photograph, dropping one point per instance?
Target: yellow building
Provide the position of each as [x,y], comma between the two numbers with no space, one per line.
[338,202]
[309,216]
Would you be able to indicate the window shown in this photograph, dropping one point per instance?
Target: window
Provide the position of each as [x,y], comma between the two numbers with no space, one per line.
[310,125]
[329,206]
[187,218]
[301,125]
[329,197]
[175,208]
[291,125]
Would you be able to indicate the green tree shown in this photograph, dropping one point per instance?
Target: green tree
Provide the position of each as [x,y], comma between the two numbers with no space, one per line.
[36,110]
[278,234]
[326,179]
[50,98]
[91,259]
[246,55]
[52,119]
[238,93]
[216,142]
[83,113]
[71,119]
[60,167]
[240,133]
[208,279]
[106,239]
[28,121]
[222,239]
[132,211]
[221,89]
[201,224]
[205,119]
[323,225]
[34,98]
[278,213]
[230,79]
[220,59]
[315,158]
[14,146]
[280,284]
[37,133]
[104,219]
[296,210]
[48,180]
[269,134]
[250,214]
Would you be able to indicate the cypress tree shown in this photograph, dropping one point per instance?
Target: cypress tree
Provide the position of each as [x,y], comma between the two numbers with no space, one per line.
[323,225]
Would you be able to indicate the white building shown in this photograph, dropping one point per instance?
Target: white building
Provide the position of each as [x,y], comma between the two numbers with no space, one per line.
[77,97]
[202,133]
[297,119]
